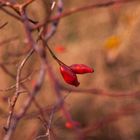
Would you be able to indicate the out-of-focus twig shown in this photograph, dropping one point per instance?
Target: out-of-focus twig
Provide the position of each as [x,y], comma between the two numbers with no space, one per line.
[55,23]
[38,84]
[17,93]
[8,40]
[82,9]
[3,25]
[101,92]
[14,86]
[52,111]
[26,105]
[114,116]
[10,13]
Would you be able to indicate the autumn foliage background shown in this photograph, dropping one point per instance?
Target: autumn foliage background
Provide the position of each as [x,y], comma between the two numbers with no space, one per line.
[106,39]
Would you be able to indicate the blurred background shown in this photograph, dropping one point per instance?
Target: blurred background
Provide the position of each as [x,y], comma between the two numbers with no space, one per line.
[106,39]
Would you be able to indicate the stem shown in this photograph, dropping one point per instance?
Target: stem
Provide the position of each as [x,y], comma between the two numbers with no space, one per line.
[54,56]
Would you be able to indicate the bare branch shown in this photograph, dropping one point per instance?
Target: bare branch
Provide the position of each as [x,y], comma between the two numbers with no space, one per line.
[101,92]
[82,9]
[3,25]
[17,93]
[114,116]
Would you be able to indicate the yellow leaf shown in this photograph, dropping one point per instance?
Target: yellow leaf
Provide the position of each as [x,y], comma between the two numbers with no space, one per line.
[112,42]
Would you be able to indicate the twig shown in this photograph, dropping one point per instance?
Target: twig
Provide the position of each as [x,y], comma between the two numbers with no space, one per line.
[26,104]
[3,25]
[10,13]
[14,86]
[101,92]
[55,23]
[17,93]
[82,9]
[38,85]
[57,90]
[114,116]
[8,40]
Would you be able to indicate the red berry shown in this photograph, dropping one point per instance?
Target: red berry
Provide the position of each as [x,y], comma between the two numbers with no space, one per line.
[33,82]
[69,125]
[81,69]
[69,76]
[60,49]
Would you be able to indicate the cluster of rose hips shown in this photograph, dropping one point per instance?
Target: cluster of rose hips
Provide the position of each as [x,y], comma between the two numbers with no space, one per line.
[69,72]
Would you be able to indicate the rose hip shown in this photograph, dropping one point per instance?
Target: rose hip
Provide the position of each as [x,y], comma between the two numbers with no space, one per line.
[69,76]
[81,69]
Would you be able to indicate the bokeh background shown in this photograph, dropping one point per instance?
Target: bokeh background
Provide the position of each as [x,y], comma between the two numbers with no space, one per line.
[106,39]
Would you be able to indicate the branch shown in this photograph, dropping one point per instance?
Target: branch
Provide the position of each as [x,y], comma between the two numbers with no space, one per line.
[27,103]
[82,9]
[124,111]
[14,86]
[38,84]
[3,25]
[101,92]
[17,93]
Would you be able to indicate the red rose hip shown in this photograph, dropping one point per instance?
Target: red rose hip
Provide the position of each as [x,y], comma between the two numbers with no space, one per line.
[81,69]
[69,76]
